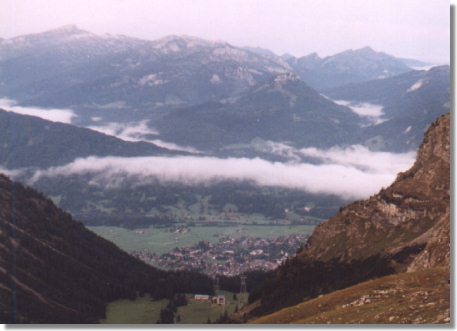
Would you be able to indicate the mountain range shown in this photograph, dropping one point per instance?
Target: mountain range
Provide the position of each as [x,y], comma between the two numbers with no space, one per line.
[351,66]
[100,75]
[182,95]
[229,95]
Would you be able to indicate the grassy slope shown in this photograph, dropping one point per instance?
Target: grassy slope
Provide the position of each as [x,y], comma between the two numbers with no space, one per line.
[199,312]
[139,311]
[419,297]
[145,311]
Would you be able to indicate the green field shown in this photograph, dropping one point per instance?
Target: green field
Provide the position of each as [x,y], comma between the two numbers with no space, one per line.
[139,311]
[145,311]
[162,241]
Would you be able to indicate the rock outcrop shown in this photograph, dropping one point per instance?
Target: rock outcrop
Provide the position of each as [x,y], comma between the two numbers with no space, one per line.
[412,212]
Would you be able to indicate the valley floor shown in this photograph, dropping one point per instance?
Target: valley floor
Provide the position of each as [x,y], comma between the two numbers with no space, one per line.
[147,311]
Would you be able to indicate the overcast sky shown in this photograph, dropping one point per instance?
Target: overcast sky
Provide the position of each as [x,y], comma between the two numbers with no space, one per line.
[408,28]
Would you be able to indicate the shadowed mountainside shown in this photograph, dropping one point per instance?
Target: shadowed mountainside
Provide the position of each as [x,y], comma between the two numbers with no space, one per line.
[54,270]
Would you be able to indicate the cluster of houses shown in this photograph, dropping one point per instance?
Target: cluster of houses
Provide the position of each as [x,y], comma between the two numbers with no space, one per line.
[230,256]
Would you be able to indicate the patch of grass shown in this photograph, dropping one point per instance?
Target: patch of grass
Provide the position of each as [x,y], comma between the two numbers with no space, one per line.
[139,311]
[145,311]
[199,312]
[406,298]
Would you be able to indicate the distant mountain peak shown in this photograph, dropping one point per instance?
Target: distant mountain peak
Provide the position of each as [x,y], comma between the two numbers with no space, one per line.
[66,30]
[177,42]
[313,55]
[366,49]
[69,28]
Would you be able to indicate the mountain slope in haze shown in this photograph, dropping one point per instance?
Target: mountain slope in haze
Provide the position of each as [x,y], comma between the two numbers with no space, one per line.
[112,75]
[284,109]
[54,270]
[346,67]
[410,102]
[28,141]
[155,203]
[404,227]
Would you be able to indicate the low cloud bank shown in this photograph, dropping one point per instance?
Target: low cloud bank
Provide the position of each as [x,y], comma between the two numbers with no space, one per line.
[362,158]
[357,156]
[11,173]
[50,114]
[338,175]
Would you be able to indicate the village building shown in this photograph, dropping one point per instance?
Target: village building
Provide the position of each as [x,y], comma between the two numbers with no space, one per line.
[218,300]
[201,297]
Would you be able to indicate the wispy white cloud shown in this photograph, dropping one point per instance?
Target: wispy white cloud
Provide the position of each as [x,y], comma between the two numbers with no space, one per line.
[338,175]
[371,112]
[362,158]
[132,131]
[175,147]
[50,114]
[139,131]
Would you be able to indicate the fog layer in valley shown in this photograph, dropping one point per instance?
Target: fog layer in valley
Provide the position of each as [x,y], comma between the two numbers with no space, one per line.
[350,173]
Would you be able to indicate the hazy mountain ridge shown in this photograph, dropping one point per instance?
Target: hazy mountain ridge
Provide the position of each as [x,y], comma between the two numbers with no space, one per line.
[28,141]
[405,227]
[229,95]
[349,66]
[410,102]
[111,75]
[283,109]
[70,67]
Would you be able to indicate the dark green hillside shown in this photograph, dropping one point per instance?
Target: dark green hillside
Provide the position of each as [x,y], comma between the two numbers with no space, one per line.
[53,270]
[133,205]
[27,141]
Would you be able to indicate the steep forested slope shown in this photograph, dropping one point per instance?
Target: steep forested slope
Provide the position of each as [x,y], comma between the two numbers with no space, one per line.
[53,270]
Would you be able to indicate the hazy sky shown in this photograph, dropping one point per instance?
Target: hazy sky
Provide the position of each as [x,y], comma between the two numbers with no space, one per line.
[408,28]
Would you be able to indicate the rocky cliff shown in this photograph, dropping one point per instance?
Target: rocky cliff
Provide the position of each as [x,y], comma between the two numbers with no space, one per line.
[405,227]
[412,212]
